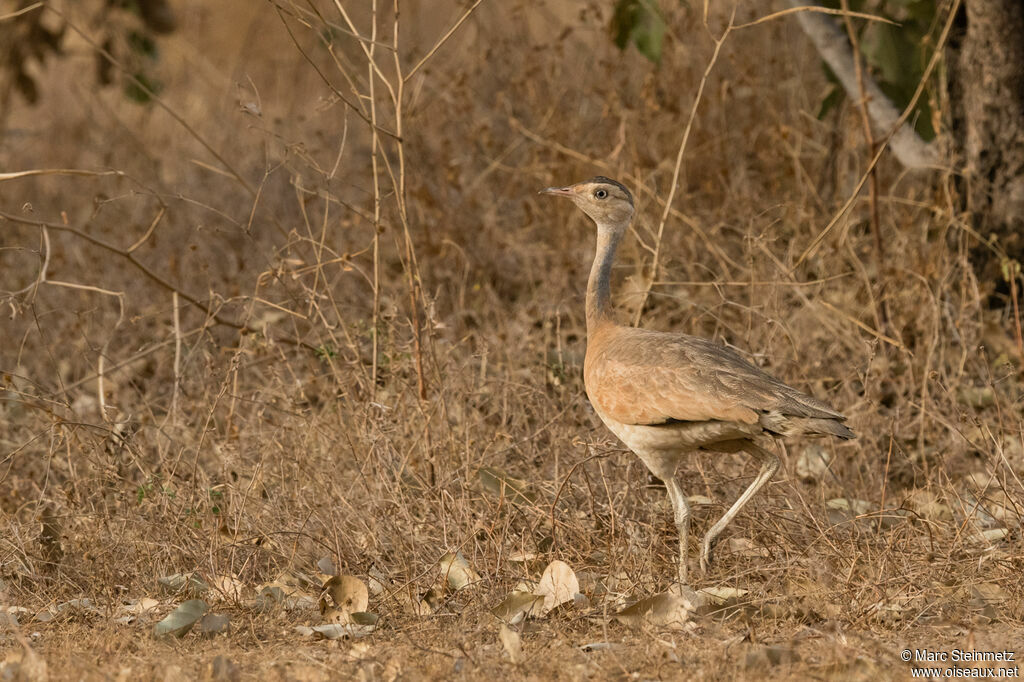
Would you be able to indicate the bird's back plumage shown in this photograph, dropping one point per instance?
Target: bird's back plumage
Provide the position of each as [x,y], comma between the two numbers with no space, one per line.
[642,376]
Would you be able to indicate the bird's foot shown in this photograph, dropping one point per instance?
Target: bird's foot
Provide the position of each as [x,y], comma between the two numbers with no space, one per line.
[705,553]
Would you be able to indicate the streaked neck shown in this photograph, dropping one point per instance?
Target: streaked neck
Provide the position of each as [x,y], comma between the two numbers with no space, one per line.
[599,307]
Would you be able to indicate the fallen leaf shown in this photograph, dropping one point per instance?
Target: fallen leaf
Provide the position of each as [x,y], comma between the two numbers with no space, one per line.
[431,600]
[214,624]
[377,581]
[526,586]
[522,557]
[326,566]
[457,572]
[991,536]
[140,606]
[349,594]
[745,547]
[674,608]
[270,597]
[517,606]
[988,593]
[841,510]
[191,583]
[179,621]
[855,506]
[361,626]
[814,461]
[511,642]
[275,596]
[297,579]
[721,596]
[557,585]
[226,588]
[70,608]
[501,484]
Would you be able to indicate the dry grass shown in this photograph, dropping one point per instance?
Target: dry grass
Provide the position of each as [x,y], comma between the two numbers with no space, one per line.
[375,321]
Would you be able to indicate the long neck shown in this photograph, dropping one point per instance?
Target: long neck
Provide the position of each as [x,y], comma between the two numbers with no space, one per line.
[599,307]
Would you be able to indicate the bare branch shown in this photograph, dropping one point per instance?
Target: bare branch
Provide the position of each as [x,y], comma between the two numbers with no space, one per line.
[936,54]
[908,148]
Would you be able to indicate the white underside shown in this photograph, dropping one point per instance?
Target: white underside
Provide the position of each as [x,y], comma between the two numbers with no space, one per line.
[663,447]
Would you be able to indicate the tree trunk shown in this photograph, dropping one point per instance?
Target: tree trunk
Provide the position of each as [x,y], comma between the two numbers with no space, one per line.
[987,98]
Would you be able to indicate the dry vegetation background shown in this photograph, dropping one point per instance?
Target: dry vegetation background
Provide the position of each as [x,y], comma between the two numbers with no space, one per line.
[255,335]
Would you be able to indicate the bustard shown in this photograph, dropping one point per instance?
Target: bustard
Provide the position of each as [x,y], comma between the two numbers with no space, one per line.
[667,394]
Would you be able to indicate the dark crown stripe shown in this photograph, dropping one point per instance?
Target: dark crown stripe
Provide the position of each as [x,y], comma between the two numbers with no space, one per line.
[609,181]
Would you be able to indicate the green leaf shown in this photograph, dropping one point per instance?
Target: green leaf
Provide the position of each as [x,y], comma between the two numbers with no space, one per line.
[893,53]
[142,89]
[896,55]
[833,98]
[143,44]
[639,22]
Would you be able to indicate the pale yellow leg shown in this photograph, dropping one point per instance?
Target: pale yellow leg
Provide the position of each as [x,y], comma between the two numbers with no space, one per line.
[681,509]
[769,465]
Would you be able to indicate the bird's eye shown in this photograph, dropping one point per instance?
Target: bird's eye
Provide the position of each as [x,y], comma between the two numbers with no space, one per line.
[600,194]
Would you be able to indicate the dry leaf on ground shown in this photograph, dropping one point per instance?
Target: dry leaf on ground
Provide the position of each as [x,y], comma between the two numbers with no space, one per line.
[361,625]
[214,624]
[349,595]
[517,606]
[179,621]
[674,608]
[456,571]
[501,484]
[511,642]
[557,585]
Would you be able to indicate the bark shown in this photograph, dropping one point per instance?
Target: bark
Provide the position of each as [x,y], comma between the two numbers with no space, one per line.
[987,101]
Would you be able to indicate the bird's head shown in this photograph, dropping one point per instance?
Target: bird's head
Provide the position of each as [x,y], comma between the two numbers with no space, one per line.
[607,202]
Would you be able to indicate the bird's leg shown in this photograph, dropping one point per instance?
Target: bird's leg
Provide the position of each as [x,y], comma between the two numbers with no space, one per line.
[769,465]
[681,510]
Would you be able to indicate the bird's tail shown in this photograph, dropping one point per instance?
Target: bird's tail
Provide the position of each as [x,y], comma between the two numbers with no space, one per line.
[831,427]
[786,425]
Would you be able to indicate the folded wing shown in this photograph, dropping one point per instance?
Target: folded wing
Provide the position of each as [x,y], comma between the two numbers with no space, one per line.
[639,376]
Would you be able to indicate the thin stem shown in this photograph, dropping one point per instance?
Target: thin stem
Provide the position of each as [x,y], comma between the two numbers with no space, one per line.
[411,269]
[678,166]
[936,55]
[443,40]
[376,194]
[881,313]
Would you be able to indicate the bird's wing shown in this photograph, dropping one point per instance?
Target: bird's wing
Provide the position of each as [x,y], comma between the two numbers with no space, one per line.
[638,376]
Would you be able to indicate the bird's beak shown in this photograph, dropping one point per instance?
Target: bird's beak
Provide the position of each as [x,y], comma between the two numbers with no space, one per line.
[559,191]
